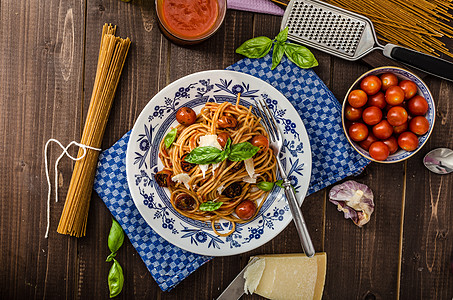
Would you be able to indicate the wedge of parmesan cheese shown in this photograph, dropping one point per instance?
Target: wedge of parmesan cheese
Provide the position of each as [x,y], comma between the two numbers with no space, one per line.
[287,276]
[182,178]
[208,140]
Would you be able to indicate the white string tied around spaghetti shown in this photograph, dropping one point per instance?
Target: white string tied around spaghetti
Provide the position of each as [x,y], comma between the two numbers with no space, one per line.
[49,184]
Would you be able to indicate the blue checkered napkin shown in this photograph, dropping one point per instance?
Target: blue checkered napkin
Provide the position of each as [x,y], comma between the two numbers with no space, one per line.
[167,263]
[333,158]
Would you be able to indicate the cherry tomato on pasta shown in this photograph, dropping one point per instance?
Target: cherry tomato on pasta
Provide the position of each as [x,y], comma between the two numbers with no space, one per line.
[377,100]
[352,113]
[222,138]
[186,116]
[417,106]
[383,130]
[379,151]
[184,201]
[392,143]
[408,141]
[397,116]
[186,166]
[419,125]
[388,80]
[357,98]
[163,178]
[227,122]
[260,141]
[245,210]
[233,190]
[372,115]
[409,87]
[371,84]
[394,95]
[358,132]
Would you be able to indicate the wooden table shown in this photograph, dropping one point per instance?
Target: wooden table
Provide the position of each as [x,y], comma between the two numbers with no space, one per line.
[47,61]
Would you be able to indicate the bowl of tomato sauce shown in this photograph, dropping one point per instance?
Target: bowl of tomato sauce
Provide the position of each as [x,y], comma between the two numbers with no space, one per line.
[189,22]
[388,114]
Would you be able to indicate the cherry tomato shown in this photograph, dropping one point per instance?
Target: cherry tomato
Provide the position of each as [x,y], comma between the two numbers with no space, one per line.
[184,201]
[371,84]
[417,106]
[352,113]
[372,115]
[388,80]
[379,151]
[186,166]
[409,87]
[358,132]
[419,125]
[377,100]
[397,116]
[408,141]
[163,178]
[357,98]
[222,138]
[392,143]
[233,190]
[365,144]
[186,116]
[260,141]
[383,130]
[400,129]
[227,122]
[245,210]
[394,95]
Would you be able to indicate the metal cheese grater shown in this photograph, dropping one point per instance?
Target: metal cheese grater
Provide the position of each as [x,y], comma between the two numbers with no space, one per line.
[350,36]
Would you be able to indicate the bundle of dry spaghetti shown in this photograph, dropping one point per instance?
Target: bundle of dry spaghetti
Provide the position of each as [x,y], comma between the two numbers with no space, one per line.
[415,24]
[112,55]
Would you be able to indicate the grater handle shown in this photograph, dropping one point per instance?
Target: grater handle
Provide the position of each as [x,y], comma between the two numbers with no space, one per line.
[426,63]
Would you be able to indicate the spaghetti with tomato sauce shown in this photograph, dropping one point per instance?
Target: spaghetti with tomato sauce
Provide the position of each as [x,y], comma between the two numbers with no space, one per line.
[213,163]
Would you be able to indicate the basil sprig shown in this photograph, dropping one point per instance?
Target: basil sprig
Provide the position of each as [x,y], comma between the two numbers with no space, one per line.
[210,206]
[115,241]
[265,186]
[115,279]
[211,155]
[170,137]
[260,46]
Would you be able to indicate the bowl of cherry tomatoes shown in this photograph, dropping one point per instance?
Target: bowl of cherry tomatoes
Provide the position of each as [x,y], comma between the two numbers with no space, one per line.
[388,114]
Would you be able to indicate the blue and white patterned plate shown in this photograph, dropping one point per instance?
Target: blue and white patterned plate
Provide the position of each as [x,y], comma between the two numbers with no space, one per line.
[142,162]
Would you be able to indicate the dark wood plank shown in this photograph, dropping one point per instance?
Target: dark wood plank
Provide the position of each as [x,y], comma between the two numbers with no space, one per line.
[41,81]
[427,247]
[355,263]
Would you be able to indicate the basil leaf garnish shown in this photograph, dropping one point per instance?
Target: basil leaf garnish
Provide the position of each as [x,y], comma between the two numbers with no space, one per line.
[204,155]
[226,151]
[256,47]
[115,279]
[280,184]
[279,50]
[210,206]
[110,257]
[300,55]
[170,137]
[265,186]
[282,36]
[116,236]
[242,151]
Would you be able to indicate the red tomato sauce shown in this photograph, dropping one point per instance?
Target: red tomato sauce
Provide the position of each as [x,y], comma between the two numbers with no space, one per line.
[190,18]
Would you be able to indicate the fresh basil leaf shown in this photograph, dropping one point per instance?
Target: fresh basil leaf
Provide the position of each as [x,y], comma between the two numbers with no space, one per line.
[279,50]
[110,257]
[226,150]
[115,279]
[170,137]
[116,236]
[282,36]
[280,184]
[300,55]
[265,186]
[210,206]
[203,155]
[256,47]
[242,151]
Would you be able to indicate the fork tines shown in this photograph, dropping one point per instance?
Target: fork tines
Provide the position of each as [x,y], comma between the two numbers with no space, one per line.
[268,119]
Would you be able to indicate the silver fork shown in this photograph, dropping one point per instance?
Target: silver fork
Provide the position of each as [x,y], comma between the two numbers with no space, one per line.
[276,142]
